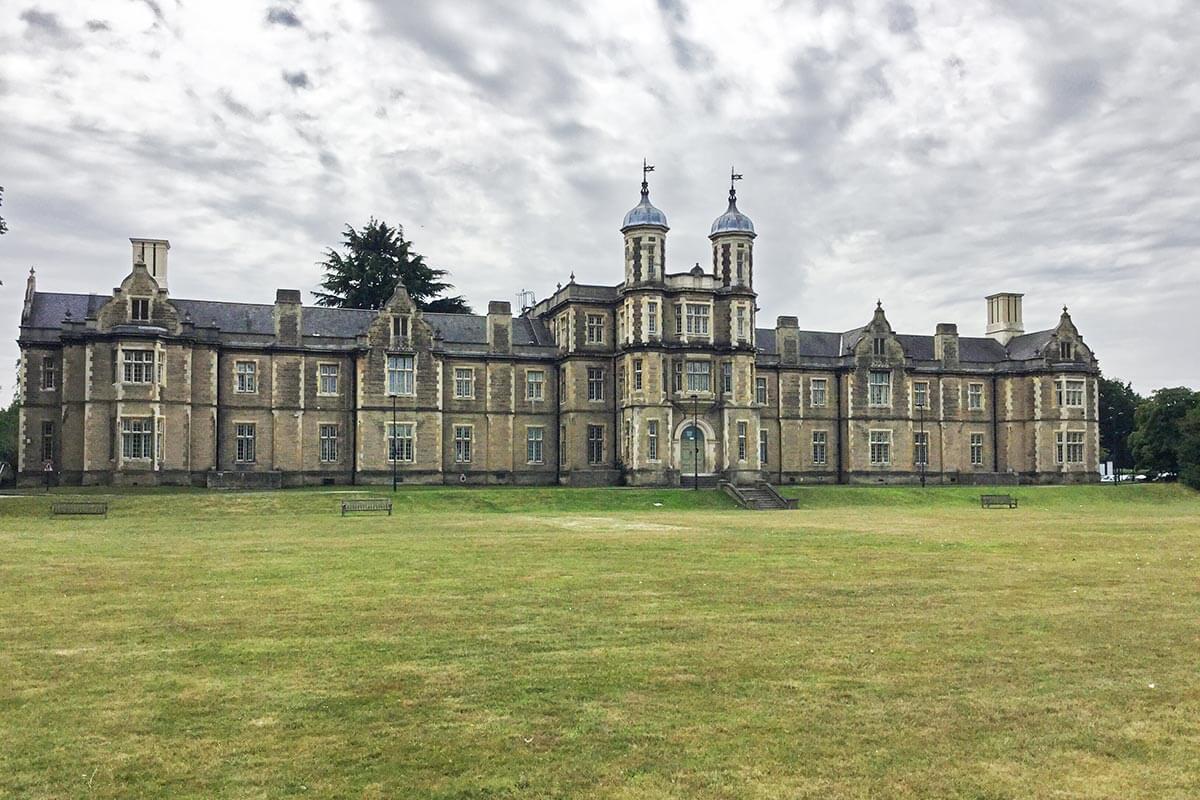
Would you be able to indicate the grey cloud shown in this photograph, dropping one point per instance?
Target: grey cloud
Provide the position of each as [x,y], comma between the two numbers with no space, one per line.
[328,160]
[688,53]
[297,80]
[278,15]
[96,25]
[45,22]
[1071,88]
[232,105]
[901,18]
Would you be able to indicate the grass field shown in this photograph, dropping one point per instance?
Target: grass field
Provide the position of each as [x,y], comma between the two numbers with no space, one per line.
[589,643]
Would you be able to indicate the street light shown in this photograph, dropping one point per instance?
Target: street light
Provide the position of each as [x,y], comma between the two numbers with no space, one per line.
[695,444]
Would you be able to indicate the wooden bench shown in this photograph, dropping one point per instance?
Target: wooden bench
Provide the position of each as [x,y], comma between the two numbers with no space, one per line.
[997,501]
[80,508]
[372,504]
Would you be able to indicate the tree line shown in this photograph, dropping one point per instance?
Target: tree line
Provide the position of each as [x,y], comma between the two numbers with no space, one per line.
[1156,435]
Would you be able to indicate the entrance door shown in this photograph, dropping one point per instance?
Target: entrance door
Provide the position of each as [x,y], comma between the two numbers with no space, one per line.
[691,452]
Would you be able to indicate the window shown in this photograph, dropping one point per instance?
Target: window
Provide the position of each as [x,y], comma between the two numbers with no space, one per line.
[741,264]
[975,396]
[879,347]
[880,388]
[327,378]
[1069,393]
[562,451]
[697,319]
[762,446]
[628,439]
[652,317]
[760,391]
[1066,351]
[328,437]
[139,309]
[595,328]
[921,448]
[820,443]
[976,449]
[816,392]
[462,444]
[595,444]
[137,438]
[595,378]
[741,440]
[678,319]
[49,372]
[677,377]
[637,374]
[400,375]
[464,382]
[246,373]
[652,440]
[621,325]
[921,394]
[741,320]
[399,329]
[139,366]
[244,434]
[699,378]
[727,378]
[535,384]
[47,440]
[881,447]
[621,372]
[1069,447]
[534,437]
[400,441]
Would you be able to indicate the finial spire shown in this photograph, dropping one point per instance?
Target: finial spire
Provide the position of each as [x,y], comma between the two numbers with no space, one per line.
[734,175]
[646,170]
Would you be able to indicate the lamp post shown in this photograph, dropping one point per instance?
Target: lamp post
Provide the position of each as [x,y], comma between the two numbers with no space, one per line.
[392,443]
[695,444]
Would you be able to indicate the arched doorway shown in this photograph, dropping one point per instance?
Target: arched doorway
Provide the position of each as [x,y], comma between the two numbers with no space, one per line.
[692,458]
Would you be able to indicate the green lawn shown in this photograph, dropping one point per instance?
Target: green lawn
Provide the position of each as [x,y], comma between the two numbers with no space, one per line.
[589,643]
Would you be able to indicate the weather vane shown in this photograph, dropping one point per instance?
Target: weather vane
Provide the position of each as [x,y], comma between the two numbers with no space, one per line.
[646,169]
[733,176]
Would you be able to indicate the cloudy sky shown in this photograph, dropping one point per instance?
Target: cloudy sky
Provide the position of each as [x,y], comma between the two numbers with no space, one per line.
[925,153]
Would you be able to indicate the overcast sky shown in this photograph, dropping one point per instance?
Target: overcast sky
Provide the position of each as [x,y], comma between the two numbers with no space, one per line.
[923,153]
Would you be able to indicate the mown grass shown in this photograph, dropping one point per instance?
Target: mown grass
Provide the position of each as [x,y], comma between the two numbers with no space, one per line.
[887,642]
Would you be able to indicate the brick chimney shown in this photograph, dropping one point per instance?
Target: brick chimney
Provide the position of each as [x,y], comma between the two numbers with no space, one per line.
[288,317]
[499,326]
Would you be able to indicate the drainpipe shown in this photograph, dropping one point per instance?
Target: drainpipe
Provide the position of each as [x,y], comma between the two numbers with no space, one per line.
[217,414]
[558,437]
[838,383]
[779,413]
[995,430]
[354,420]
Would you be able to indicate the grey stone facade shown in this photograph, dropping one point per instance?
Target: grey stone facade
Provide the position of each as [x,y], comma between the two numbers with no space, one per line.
[649,382]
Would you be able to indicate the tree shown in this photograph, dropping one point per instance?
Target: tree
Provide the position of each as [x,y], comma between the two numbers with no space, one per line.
[3,224]
[1157,431]
[375,260]
[1189,448]
[9,441]
[1118,403]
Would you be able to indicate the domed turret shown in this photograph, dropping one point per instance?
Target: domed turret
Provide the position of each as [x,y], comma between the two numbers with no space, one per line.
[645,229]
[732,237]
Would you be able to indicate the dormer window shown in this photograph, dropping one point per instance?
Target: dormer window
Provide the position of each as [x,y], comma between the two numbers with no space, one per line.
[399,328]
[1066,351]
[139,309]
[879,347]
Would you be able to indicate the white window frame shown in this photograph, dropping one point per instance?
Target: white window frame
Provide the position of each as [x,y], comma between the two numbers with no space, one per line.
[698,318]
[464,383]
[400,440]
[921,448]
[679,319]
[49,374]
[1070,392]
[1069,446]
[535,442]
[699,376]
[652,318]
[818,392]
[652,440]
[328,378]
[137,438]
[820,448]
[637,375]
[879,395]
[743,436]
[245,436]
[245,376]
[976,449]
[133,307]
[762,447]
[327,451]
[761,394]
[741,323]
[400,373]
[535,387]
[595,439]
[138,369]
[595,384]
[920,394]
[880,441]
[464,444]
[594,328]
[727,377]
[975,397]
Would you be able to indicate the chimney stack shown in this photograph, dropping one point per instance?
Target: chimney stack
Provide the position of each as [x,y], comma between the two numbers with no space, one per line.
[499,326]
[1004,320]
[945,344]
[288,317]
[153,253]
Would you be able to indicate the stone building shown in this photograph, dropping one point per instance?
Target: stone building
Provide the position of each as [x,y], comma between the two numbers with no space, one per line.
[657,380]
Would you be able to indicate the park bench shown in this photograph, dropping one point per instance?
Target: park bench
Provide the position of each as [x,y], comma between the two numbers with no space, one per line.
[372,504]
[997,501]
[80,508]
